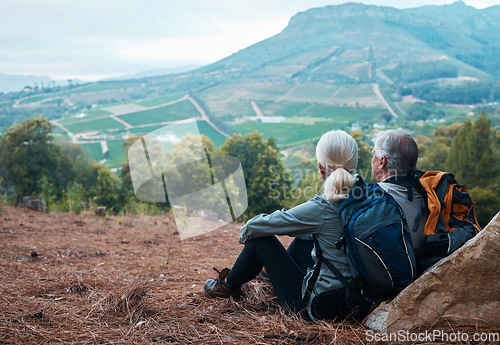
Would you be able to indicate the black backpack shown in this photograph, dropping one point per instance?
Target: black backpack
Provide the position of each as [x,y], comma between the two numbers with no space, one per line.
[378,247]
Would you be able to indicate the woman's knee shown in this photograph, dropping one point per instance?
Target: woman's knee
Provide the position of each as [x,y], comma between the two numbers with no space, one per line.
[268,241]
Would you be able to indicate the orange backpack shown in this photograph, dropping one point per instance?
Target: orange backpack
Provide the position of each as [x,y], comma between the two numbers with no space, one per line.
[451,217]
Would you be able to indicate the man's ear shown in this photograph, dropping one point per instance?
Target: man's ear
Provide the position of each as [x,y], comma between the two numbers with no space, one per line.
[383,163]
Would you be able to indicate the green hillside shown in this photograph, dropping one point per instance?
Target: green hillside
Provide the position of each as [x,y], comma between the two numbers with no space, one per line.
[289,134]
[101,125]
[349,66]
[178,111]
[347,41]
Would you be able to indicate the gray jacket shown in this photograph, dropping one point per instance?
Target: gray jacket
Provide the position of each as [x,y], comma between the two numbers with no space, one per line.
[411,209]
[318,217]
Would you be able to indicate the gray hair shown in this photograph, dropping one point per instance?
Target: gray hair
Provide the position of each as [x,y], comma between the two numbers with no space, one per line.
[337,152]
[399,149]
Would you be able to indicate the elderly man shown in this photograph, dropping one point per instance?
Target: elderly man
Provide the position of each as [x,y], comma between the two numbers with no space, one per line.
[395,155]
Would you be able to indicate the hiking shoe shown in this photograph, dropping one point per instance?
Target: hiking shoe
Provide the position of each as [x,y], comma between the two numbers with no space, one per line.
[219,288]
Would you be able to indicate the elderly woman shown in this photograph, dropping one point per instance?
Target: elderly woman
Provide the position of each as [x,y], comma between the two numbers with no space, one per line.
[320,297]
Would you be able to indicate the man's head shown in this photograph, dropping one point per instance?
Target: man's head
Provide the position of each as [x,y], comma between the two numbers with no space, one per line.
[394,153]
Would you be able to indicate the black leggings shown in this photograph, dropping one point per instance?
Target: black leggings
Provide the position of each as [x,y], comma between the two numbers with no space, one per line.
[286,269]
[300,251]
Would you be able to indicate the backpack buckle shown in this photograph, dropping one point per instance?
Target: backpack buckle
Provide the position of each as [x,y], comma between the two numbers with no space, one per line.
[340,243]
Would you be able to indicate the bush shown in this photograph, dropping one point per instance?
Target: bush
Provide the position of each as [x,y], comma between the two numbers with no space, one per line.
[486,203]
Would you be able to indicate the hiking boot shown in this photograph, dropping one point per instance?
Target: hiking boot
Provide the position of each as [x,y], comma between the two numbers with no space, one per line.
[219,288]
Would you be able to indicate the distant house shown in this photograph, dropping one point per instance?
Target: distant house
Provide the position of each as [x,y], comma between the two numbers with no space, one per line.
[28,89]
[379,125]
[355,126]
[268,119]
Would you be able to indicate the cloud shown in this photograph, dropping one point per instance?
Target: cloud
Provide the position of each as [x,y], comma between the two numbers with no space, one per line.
[228,39]
[482,3]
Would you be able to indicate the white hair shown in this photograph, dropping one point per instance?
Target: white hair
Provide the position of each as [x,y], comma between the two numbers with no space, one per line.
[337,153]
[399,149]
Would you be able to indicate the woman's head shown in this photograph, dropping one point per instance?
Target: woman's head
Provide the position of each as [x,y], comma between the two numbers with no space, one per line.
[337,155]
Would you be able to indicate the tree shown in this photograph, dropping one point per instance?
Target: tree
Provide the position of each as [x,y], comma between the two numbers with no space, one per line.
[127,190]
[81,176]
[474,156]
[486,203]
[364,156]
[309,185]
[434,152]
[471,152]
[75,166]
[266,184]
[62,175]
[475,161]
[177,153]
[105,190]
[27,155]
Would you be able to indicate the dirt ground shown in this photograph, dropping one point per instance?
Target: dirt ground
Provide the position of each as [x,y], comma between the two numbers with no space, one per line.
[84,279]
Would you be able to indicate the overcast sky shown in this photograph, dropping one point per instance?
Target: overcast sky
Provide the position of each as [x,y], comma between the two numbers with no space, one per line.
[96,39]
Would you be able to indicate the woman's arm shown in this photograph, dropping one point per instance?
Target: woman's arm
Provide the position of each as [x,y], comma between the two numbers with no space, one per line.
[307,218]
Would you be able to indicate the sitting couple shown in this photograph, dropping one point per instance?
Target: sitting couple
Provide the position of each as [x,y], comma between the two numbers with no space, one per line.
[290,270]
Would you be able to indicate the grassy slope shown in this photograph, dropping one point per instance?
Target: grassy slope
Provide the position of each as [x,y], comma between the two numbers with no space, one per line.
[178,111]
[93,150]
[310,108]
[117,154]
[90,114]
[152,102]
[288,134]
[101,125]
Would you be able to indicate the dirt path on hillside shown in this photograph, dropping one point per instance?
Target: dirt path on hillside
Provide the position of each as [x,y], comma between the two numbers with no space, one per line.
[70,134]
[205,118]
[17,103]
[256,109]
[376,90]
[126,124]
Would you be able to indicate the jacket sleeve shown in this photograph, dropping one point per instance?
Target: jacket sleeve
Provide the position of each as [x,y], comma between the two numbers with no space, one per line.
[307,218]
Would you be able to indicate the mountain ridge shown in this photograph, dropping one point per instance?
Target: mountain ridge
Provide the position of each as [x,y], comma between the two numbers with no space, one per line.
[393,35]
[17,82]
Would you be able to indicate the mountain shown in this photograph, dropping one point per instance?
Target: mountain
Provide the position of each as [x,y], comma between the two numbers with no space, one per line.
[356,43]
[157,72]
[11,82]
[17,82]
[348,66]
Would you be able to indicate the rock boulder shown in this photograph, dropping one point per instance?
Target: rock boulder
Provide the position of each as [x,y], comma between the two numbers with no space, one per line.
[462,288]
[34,204]
[100,211]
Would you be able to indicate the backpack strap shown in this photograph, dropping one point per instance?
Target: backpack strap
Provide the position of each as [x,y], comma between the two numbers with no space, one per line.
[319,254]
[358,180]
[419,216]
[317,269]
[410,182]
[314,277]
